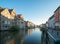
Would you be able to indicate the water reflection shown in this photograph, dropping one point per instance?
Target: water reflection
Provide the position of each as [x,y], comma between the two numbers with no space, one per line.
[29,32]
[31,36]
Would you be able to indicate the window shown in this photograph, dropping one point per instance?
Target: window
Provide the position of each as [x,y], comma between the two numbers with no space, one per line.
[59,18]
[5,26]
[2,21]
[22,22]
[5,22]
[0,15]
[59,12]
[8,22]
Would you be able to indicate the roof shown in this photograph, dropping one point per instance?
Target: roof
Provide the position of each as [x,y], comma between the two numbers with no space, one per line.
[10,10]
[51,17]
[56,9]
[20,16]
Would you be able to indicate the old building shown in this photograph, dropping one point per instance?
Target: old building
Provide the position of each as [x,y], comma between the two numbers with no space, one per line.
[19,20]
[51,22]
[54,20]
[6,18]
[57,17]
[30,24]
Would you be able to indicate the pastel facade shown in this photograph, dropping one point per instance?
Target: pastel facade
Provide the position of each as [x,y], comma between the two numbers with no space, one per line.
[6,18]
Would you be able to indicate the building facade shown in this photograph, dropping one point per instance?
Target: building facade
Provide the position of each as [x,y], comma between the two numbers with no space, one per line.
[54,20]
[19,21]
[57,17]
[6,18]
[30,24]
[51,22]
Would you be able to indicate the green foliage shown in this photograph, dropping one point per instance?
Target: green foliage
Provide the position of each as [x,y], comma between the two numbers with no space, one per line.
[14,28]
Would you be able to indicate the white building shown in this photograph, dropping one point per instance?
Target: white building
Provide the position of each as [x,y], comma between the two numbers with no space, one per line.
[51,22]
[19,20]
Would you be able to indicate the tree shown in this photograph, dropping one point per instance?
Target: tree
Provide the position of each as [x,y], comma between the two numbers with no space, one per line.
[14,28]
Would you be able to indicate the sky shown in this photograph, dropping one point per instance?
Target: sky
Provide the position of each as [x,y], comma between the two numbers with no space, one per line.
[36,11]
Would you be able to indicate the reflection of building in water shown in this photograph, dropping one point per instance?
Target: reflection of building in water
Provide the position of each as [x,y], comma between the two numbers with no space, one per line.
[29,31]
[12,41]
[9,38]
[21,42]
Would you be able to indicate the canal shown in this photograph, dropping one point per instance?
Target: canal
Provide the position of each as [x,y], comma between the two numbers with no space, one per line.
[30,36]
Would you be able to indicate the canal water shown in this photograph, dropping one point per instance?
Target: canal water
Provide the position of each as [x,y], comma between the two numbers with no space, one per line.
[29,36]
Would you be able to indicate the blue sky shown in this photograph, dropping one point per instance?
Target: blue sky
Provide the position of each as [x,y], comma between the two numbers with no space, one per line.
[36,11]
